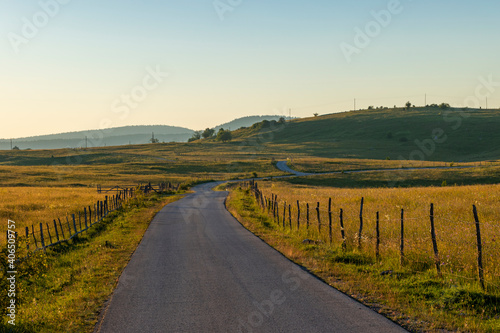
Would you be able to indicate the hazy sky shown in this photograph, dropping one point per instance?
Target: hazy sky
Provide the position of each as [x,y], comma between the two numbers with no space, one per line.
[69,65]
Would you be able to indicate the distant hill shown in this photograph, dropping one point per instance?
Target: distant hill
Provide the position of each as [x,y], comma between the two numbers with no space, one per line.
[247,122]
[430,133]
[97,138]
[120,136]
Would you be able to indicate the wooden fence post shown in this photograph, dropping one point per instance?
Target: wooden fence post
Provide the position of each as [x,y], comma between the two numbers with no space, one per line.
[298,215]
[360,234]
[307,216]
[319,218]
[434,243]
[330,219]
[57,232]
[290,215]
[277,213]
[27,238]
[62,230]
[34,237]
[80,220]
[48,231]
[377,244]
[402,244]
[90,216]
[480,267]
[342,230]
[284,214]
[69,227]
[85,213]
[41,236]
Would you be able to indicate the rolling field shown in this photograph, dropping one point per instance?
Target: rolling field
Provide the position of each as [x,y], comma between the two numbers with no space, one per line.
[110,166]
[40,185]
[430,134]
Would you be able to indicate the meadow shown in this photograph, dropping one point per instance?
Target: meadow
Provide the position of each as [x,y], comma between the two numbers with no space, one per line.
[454,220]
[128,165]
[40,185]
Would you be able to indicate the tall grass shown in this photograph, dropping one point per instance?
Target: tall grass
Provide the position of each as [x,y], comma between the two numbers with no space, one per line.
[455,225]
[33,205]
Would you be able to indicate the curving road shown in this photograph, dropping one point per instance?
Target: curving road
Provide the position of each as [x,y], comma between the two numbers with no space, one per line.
[198,270]
[282,165]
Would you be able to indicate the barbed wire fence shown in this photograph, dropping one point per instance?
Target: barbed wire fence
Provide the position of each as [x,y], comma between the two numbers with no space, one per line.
[400,239]
[51,233]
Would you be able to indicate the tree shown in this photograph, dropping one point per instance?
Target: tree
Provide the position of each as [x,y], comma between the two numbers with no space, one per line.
[281,120]
[224,135]
[153,139]
[408,105]
[315,114]
[208,133]
[196,136]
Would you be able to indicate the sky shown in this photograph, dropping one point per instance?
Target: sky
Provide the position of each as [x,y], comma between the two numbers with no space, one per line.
[69,65]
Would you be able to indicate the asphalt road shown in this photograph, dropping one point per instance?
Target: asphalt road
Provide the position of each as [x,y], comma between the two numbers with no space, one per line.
[198,270]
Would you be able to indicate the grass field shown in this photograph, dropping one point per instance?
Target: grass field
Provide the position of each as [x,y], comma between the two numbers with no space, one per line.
[33,205]
[487,175]
[110,166]
[412,294]
[454,220]
[40,185]
[431,134]
[321,165]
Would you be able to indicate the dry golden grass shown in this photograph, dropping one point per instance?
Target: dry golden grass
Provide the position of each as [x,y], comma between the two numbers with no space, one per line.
[320,164]
[34,205]
[455,227]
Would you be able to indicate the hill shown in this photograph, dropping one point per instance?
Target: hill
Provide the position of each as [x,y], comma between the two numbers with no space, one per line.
[427,133]
[97,138]
[120,136]
[248,121]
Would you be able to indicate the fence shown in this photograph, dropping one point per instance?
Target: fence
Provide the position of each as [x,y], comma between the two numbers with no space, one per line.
[148,188]
[316,221]
[44,235]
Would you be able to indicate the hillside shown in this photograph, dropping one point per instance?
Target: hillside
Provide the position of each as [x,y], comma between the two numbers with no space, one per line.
[429,133]
[247,122]
[97,138]
[120,136]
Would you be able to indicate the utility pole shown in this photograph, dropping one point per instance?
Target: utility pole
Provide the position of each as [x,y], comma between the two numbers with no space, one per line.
[10,144]
[86,145]
[425,103]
